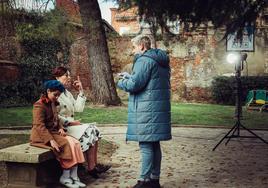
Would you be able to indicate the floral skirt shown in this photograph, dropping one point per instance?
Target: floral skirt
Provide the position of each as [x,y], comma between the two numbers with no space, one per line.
[87,134]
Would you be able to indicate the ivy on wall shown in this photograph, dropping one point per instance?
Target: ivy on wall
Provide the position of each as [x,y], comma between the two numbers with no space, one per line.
[43,46]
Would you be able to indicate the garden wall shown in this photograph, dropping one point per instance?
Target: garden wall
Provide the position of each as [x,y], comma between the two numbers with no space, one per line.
[195,59]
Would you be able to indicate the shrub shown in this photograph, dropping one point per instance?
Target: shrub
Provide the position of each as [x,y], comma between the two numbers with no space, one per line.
[35,66]
[41,39]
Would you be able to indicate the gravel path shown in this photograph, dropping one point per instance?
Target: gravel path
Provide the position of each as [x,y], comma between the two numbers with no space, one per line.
[188,160]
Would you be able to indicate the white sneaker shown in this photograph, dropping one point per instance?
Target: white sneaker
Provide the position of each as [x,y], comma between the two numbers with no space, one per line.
[78,182]
[68,182]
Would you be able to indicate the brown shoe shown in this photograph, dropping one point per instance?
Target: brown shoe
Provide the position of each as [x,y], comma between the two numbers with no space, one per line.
[101,168]
[93,173]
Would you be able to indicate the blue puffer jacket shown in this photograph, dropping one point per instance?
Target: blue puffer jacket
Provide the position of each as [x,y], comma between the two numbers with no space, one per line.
[149,97]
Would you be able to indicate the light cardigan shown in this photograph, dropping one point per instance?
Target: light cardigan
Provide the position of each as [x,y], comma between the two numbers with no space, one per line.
[87,133]
[69,105]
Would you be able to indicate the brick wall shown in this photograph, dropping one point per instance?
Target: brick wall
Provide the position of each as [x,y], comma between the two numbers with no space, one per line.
[125,20]
[9,51]
[9,71]
[195,57]
[71,8]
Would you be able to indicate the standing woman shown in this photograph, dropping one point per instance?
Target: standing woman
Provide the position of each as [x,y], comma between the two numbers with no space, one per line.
[48,133]
[87,134]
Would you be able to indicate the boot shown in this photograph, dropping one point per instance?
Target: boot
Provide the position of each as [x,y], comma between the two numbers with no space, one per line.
[142,184]
[93,173]
[101,168]
[154,183]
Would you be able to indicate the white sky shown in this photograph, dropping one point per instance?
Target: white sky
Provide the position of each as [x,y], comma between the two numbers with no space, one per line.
[104,6]
[105,9]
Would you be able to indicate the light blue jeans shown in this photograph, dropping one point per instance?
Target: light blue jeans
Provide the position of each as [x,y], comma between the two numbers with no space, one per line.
[151,156]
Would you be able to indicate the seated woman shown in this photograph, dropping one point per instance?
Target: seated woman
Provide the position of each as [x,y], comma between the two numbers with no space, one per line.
[48,133]
[88,134]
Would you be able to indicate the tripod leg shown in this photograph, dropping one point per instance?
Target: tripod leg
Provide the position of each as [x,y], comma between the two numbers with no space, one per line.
[224,137]
[236,129]
[254,134]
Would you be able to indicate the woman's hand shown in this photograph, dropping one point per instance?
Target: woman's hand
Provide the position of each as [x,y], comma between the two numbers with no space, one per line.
[55,145]
[78,84]
[72,123]
[62,132]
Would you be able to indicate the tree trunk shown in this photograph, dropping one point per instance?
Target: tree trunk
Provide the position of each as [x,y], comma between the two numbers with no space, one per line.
[102,82]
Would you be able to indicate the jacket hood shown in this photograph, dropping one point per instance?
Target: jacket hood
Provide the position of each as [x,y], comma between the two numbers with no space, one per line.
[158,55]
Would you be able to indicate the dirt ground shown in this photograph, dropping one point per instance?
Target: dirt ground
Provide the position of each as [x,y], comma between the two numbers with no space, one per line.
[188,160]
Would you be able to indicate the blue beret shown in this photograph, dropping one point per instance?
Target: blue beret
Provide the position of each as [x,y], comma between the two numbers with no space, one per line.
[54,84]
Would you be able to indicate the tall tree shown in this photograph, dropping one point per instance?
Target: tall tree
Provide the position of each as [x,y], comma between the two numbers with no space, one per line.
[103,86]
[231,14]
[102,82]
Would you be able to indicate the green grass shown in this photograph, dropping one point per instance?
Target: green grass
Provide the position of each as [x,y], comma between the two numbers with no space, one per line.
[7,140]
[19,116]
[182,114]
[110,115]
[215,115]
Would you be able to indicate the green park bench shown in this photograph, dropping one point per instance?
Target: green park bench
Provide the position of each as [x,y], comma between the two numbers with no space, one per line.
[257,100]
[29,166]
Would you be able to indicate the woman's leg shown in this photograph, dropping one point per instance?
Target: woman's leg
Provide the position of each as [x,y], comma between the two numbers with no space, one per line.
[74,176]
[66,180]
[96,152]
[91,162]
[76,152]
[91,158]
[65,174]
[73,172]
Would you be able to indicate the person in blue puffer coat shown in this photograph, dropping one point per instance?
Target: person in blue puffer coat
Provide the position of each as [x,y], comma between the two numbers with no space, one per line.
[149,117]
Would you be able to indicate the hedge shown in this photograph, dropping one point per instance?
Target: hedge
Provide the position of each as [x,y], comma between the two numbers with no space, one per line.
[224,88]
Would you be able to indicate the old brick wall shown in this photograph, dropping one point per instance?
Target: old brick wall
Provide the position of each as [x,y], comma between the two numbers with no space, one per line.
[196,58]
[120,49]
[125,22]
[9,51]
[71,9]
[181,60]
[9,71]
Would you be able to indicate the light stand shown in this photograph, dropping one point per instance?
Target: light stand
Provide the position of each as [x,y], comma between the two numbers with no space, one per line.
[235,130]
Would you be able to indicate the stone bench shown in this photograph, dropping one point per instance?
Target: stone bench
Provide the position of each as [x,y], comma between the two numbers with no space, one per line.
[29,166]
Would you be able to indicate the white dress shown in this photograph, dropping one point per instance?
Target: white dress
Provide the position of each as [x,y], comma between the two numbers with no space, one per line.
[86,133]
